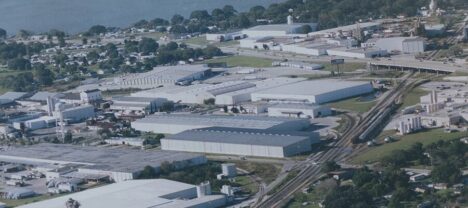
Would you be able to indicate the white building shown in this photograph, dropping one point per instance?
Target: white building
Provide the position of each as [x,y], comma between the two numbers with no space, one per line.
[131,141]
[316,92]
[409,125]
[161,193]
[239,142]
[40,123]
[409,45]
[75,113]
[90,96]
[277,30]
[229,170]
[164,75]
[220,37]
[176,123]
[298,110]
[136,105]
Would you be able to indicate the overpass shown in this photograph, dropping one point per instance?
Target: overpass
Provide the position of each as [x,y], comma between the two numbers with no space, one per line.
[414,65]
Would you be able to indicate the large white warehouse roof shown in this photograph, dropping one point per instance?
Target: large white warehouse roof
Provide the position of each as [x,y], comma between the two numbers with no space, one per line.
[133,193]
[176,123]
[316,91]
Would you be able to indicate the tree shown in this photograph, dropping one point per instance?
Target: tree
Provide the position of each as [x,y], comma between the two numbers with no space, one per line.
[167,106]
[446,172]
[24,34]
[148,172]
[43,75]
[305,29]
[210,101]
[178,29]
[19,64]
[84,41]
[92,56]
[68,138]
[147,46]
[3,33]
[166,167]
[329,166]
[211,51]
[347,197]
[177,19]
[97,29]
[362,177]
[200,15]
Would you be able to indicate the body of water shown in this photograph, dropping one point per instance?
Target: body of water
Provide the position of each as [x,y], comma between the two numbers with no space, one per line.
[74,16]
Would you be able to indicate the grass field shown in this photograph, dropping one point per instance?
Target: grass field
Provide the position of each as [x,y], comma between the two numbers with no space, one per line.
[353,104]
[244,61]
[154,35]
[425,137]
[268,172]
[14,203]
[247,184]
[412,98]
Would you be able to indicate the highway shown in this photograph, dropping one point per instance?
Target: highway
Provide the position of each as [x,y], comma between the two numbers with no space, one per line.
[311,169]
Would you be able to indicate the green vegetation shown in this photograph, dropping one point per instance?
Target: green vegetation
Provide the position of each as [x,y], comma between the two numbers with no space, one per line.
[353,104]
[412,97]
[267,171]
[289,177]
[15,203]
[244,61]
[247,184]
[425,137]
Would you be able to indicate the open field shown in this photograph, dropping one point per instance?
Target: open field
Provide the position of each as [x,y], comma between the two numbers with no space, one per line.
[154,35]
[353,104]
[425,137]
[244,61]
[412,97]
[268,172]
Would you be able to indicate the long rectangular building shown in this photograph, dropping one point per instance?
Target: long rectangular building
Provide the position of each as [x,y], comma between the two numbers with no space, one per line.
[240,142]
[119,164]
[176,123]
[317,91]
[137,194]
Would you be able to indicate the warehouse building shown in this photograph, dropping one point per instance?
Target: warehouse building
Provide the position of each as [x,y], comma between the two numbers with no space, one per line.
[239,142]
[74,113]
[225,93]
[277,30]
[137,194]
[164,75]
[316,91]
[221,37]
[176,123]
[298,110]
[136,105]
[119,164]
[409,45]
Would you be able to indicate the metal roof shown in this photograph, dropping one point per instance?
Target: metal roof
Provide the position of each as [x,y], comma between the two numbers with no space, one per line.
[315,87]
[13,95]
[238,137]
[120,159]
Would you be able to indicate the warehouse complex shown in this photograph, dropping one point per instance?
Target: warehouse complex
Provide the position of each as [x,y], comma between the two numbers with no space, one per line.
[119,164]
[176,123]
[409,45]
[239,142]
[313,91]
[225,93]
[137,194]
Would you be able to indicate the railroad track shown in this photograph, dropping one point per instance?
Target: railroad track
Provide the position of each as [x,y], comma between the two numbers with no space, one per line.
[311,172]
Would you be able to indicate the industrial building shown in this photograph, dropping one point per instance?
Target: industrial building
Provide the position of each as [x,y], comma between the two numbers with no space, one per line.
[74,113]
[411,45]
[344,30]
[239,142]
[298,110]
[290,28]
[40,123]
[300,65]
[176,123]
[221,37]
[118,163]
[90,96]
[136,105]
[316,91]
[164,75]
[137,194]
[225,93]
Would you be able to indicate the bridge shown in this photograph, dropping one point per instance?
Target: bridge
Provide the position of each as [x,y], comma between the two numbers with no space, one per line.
[415,65]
